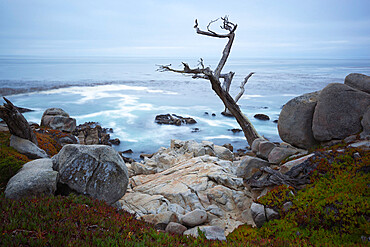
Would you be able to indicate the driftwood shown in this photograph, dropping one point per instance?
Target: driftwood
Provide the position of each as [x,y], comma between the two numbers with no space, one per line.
[214,77]
[296,177]
[16,122]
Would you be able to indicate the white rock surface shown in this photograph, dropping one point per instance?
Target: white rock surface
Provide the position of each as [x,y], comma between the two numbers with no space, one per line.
[190,182]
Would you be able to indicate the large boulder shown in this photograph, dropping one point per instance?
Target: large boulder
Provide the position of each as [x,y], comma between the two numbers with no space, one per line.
[338,112]
[96,170]
[295,121]
[27,148]
[365,122]
[358,81]
[56,118]
[36,178]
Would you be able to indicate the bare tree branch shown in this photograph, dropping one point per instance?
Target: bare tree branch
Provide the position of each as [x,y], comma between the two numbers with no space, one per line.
[242,85]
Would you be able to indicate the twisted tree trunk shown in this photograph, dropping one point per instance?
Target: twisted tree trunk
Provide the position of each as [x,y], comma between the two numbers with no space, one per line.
[250,132]
[16,122]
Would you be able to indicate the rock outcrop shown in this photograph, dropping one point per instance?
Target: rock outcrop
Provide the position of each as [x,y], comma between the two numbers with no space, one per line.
[188,181]
[174,119]
[91,133]
[95,170]
[56,118]
[36,178]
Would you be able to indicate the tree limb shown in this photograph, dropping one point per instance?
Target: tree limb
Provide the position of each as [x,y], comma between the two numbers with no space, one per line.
[242,84]
[214,77]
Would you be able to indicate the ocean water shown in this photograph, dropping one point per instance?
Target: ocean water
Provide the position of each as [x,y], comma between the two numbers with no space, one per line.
[127,93]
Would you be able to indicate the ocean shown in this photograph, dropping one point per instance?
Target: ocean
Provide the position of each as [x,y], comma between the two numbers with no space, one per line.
[127,93]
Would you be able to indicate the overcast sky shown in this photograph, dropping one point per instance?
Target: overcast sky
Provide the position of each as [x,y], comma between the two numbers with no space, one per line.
[275,28]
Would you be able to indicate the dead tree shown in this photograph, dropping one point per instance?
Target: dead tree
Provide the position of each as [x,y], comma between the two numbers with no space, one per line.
[214,77]
[16,122]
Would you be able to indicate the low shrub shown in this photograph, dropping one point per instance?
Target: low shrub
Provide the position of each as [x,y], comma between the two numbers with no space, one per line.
[333,210]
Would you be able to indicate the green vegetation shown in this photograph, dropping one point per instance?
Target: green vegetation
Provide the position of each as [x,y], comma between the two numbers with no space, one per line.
[331,211]
[80,221]
[334,210]
[10,160]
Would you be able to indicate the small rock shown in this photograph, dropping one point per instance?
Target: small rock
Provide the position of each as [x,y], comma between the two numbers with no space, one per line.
[275,121]
[206,113]
[249,166]
[160,227]
[214,233]
[264,149]
[194,218]
[256,144]
[194,130]
[176,228]
[173,119]
[128,151]
[258,214]
[278,154]
[287,206]
[289,165]
[127,160]
[362,144]
[271,214]
[235,130]
[115,141]
[165,217]
[262,117]
[356,155]
[223,153]
[143,156]
[213,114]
[229,146]
[210,232]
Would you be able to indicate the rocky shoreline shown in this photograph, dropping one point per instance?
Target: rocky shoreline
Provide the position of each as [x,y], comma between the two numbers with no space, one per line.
[192,185]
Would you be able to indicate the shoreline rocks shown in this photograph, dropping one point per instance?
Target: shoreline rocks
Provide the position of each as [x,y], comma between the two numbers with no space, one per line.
[335,112]
[173,119]
[91,133]
[56,118]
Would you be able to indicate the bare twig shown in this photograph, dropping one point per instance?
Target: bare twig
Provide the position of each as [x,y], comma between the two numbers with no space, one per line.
[209,24]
